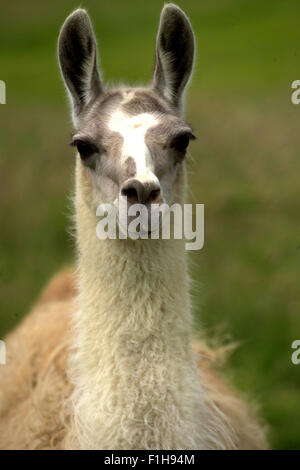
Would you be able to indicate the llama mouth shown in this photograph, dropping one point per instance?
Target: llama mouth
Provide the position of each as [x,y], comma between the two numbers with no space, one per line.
[135,227]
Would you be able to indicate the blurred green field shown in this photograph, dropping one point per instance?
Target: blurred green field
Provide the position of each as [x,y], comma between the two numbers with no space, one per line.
[245,169]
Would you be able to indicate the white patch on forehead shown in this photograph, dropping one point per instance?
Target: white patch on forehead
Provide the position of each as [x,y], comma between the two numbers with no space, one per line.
[133,130]
[127,96]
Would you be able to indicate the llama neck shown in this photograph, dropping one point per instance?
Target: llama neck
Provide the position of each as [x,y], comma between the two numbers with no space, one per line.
[136,384]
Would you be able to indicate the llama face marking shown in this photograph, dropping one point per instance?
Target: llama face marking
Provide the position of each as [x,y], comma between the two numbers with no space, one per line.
[133,130]
[129,143]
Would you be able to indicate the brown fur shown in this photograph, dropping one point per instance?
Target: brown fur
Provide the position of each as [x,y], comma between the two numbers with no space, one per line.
[34,383]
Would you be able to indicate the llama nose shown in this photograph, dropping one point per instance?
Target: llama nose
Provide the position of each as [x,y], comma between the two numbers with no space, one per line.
[138,192]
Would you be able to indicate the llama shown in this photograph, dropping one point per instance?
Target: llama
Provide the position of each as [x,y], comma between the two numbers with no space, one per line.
[106,359]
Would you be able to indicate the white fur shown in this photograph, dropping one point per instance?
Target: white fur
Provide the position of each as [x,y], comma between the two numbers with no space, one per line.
[136,380]
[133,130]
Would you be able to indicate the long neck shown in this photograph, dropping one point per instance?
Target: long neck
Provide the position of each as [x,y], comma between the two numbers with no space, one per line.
[136,384]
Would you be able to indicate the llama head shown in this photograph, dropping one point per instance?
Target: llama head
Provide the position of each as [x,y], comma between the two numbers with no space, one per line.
[131,142]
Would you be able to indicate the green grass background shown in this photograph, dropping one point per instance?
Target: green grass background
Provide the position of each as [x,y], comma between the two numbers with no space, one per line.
[245,169]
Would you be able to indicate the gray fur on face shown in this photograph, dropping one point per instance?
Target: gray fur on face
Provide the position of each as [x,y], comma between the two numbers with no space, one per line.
[147,101]
[129,169]
[93,106]
[110,173]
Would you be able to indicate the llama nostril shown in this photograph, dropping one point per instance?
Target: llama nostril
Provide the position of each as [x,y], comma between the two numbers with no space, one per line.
[130,193]
[132,189]
[138,192]
[154,195]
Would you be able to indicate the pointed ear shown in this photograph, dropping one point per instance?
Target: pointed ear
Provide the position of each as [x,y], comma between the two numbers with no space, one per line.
[175,46]
[77,55]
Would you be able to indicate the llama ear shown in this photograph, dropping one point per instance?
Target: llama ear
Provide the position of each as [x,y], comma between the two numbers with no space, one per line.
[174,53]
[77,55]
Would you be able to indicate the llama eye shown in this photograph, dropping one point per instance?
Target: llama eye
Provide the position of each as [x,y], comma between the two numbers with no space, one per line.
[85,149]
[181,142]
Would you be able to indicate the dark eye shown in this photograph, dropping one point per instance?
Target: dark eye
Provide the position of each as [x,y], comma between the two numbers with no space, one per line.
[181,142]
[88,152]
[85,149]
